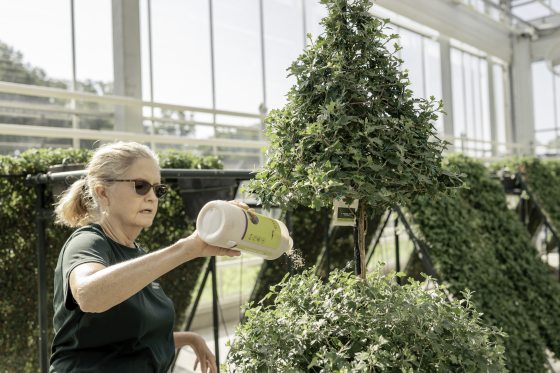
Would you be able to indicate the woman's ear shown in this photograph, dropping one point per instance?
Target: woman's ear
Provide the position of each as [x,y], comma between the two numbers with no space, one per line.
[102,195]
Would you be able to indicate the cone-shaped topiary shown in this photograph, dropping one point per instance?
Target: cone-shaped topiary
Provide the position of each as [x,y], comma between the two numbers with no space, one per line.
[351,127]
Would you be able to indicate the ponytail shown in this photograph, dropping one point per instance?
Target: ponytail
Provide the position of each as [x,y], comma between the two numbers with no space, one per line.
[75,205]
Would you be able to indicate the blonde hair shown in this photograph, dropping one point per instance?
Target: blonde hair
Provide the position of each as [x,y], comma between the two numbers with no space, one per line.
[78,205]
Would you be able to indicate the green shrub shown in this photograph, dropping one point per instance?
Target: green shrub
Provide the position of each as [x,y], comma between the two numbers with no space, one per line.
[18,259]
[543,180]
[349,325]
[476,243]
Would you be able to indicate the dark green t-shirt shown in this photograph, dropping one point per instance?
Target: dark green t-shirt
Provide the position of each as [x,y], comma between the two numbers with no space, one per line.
[133,336]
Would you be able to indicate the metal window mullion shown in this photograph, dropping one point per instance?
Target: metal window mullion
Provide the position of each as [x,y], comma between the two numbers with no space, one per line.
[151,68]
[213,70]
[464,79]
[482,115]
[75,118]
[424,66]
[263,110]
[555,108]
[492,108]
[473,98]
[304,19]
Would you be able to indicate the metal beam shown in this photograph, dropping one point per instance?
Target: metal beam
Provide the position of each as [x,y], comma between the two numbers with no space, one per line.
[38,91]
[457,21]
[68,133]
[541,47]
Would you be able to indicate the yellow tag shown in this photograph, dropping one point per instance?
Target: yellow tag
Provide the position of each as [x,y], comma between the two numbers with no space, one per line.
[262,231]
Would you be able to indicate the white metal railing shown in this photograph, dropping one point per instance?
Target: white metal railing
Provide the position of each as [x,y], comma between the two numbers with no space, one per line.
[239,147]
[60,110]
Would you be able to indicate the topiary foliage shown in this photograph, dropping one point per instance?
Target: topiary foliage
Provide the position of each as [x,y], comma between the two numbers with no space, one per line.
[475,242]
[347,325]
[351,127]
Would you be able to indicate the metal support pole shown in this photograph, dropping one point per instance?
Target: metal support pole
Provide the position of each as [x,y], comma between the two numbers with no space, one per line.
[289,225]
[198,296]
[215,312]
[397,254]
[357,252]
[41,277]
[378,238]
[326,221]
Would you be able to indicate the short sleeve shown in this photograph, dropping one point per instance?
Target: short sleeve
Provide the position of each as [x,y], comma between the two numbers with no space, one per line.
[84,247]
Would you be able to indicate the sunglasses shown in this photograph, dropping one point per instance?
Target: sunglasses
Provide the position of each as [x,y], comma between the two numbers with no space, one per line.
[142,187]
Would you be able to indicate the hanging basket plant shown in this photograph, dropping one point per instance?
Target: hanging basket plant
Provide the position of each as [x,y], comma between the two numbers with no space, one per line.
[351,128]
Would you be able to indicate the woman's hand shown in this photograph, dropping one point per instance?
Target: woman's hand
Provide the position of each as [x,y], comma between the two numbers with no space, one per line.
[202,249]
[243,205]
[204,356]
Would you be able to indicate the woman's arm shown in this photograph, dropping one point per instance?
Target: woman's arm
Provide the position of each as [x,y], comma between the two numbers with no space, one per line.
[204,356]
[97,288]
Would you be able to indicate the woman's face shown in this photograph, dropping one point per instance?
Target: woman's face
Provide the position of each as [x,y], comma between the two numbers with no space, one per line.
[128,208]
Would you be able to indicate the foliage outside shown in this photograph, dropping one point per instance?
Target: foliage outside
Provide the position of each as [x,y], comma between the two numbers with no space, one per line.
[348,325]
[18,258]
[351,128]
[476,243]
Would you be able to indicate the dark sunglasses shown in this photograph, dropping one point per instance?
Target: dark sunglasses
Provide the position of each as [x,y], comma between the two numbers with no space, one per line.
[142,187]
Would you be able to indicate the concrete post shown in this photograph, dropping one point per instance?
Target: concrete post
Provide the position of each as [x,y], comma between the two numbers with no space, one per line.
[522,94]
[127,63]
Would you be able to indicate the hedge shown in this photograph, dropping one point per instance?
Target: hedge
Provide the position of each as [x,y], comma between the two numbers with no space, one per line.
[18,260]
[476,243]
[543,180]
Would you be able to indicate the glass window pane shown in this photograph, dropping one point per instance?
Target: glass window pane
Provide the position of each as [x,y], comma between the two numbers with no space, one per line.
[238,55]
[283,27]
[543,97]
[35,33]
[94,46]
[314,13]
[500,107]
[547,142]
[469,95]
[181,53]
[432,63]
[485,129]
[458,93]
[411,43]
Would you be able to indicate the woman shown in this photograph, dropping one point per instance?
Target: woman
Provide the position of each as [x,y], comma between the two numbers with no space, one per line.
[110,313]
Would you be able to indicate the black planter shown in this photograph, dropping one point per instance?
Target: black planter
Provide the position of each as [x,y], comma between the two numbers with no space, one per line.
[60,186]
[195,193]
